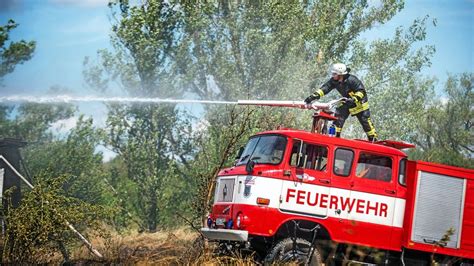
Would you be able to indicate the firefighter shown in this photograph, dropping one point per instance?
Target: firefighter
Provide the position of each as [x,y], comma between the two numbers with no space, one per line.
[356,103]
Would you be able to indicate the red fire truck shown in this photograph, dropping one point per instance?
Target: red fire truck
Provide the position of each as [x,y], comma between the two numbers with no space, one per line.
[293,194]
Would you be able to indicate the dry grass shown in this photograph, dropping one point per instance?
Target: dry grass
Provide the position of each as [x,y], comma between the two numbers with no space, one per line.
[139,248]
[176,247]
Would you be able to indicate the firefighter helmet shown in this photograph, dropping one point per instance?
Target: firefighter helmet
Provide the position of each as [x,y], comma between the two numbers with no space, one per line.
[339,69]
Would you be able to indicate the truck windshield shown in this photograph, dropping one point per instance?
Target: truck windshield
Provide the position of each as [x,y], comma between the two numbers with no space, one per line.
[267,149]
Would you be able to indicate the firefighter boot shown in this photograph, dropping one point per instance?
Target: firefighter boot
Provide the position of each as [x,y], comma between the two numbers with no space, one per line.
[338,130]
[372,138]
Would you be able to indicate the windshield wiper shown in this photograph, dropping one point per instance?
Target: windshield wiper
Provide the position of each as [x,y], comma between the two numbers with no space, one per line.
[243,158]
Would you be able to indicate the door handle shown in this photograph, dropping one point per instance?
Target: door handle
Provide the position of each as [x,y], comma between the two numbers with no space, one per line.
[324,181]
[390,191]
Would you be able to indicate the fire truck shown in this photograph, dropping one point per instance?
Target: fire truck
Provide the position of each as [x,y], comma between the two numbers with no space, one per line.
[308,197]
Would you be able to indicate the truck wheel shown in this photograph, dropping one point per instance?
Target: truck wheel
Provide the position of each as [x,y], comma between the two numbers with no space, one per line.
[283,252]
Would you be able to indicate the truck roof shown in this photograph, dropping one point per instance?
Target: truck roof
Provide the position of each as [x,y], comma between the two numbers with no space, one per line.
[386,147]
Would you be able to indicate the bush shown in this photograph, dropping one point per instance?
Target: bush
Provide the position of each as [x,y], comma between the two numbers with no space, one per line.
[37,228]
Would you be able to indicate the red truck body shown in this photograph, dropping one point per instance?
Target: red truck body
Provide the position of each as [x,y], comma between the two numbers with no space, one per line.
[460,207]
[358,192]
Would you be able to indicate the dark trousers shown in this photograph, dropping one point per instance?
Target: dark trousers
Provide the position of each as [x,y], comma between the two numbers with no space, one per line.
[342,113]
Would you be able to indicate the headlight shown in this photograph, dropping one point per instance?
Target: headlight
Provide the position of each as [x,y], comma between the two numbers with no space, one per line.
[238,220]
[241,221]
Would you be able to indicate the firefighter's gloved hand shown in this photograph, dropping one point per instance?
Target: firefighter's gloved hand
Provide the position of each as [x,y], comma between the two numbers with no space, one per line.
[311,98]
[350,102]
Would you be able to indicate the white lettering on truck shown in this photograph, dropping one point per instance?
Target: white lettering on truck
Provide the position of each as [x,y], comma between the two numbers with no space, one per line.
[303,197]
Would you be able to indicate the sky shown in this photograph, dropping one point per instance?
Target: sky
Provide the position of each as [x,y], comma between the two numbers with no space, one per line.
[66,31]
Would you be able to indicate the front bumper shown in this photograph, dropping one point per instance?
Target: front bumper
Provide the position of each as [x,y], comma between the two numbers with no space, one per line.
[225,234]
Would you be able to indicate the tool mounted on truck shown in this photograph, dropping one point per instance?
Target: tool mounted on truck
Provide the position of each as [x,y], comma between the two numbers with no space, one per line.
[305,188]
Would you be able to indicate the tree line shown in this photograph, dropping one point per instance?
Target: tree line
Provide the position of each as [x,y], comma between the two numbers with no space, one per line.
[167,159]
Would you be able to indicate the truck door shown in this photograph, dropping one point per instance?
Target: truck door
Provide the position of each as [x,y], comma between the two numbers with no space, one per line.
[341,185]
[308,191]
[373,197]
[341,182]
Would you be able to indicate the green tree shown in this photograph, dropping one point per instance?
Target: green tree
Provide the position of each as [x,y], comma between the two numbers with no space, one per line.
[13,53]
[151,148]
[445,132]
[76,158]
[153,141]
[126,196]
[251,48]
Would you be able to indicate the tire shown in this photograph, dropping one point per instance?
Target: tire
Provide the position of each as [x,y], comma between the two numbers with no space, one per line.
[283,252]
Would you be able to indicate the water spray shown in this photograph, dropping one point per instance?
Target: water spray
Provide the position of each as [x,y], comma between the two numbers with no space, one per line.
[323,111]
[87,99]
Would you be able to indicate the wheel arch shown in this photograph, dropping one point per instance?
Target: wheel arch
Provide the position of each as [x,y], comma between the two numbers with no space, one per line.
[287,229]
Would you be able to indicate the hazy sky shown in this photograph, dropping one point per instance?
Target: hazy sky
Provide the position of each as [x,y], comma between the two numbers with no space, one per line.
[68,30]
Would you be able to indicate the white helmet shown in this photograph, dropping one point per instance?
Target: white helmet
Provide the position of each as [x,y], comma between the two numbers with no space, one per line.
[339,69]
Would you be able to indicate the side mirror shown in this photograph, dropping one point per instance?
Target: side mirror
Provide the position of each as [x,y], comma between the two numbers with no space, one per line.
[249,166]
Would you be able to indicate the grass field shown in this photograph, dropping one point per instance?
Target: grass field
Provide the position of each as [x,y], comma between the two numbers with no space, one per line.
[177,247]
